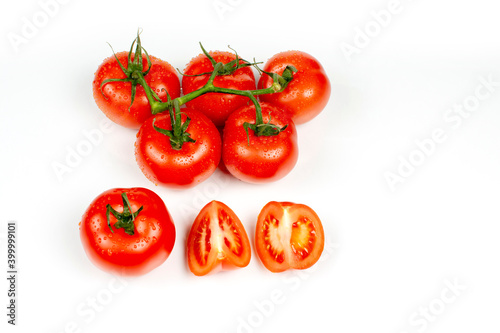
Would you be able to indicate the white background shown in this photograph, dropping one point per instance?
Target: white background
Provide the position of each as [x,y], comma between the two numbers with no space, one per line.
[391,253]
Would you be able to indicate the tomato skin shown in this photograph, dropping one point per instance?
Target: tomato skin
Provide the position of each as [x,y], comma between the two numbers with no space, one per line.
[267,158]
[217,106]
[217,243]
[309,91]
[118,252]
[222,166]
[117,95]
[183,168]
[288,235]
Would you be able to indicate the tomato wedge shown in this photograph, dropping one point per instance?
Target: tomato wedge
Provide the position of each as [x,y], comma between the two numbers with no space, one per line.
[288,235]
[217,237]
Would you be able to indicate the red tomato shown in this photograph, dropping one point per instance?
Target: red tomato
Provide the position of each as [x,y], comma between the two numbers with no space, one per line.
[215,105]
[217,239]
[115,249]
[182,168]
[265,158]
[222,166]
[115,102]
[307,94]
[288,235]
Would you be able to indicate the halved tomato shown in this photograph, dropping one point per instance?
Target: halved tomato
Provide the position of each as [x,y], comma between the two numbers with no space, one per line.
[288,235]
[217,237]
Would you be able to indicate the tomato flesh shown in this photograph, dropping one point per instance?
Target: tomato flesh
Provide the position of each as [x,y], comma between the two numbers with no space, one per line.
[288,235]
[303,237]
[217,238]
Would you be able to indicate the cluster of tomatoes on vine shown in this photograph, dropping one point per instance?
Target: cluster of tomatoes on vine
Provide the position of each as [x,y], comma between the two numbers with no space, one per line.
[247,128]
[229,119]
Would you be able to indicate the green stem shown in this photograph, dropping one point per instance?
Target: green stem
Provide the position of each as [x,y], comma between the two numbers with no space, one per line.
[259,128]
[157,106]
[248,93]
[208,87]
[176,124]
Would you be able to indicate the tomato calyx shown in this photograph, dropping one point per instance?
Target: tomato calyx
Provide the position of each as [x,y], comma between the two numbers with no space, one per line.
[260,128]
[178,134]
[226,69]
[280,82]
[134,71]
[125,219]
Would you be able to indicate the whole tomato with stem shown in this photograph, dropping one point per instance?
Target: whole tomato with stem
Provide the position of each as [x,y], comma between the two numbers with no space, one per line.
[259,157]
[309,91]
[235,75]
[217,239]
[288,235]
[117,89]
[180,149]
[127,231]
